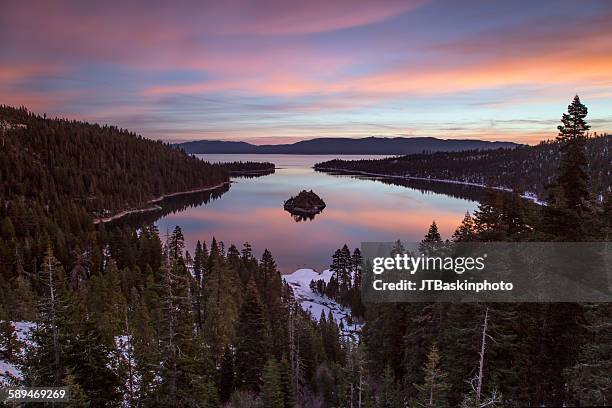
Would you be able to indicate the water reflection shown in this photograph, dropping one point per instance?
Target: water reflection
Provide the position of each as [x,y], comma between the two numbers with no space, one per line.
[172,205]
[358,209]
[252,174]
[303,217]
[457,190]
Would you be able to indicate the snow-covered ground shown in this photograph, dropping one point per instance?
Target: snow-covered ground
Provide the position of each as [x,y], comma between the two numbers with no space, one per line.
[315,303]
[9,371]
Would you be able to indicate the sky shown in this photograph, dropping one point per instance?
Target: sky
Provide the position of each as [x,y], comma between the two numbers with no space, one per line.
[280,71]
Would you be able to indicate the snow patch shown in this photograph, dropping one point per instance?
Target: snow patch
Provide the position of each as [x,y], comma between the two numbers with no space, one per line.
[9,371]
[315,303]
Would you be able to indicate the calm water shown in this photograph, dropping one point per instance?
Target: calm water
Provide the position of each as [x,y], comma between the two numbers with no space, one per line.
[358,209]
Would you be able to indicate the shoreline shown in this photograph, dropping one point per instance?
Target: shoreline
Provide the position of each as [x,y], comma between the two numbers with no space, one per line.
[526,195]
[121,214]
[247,172]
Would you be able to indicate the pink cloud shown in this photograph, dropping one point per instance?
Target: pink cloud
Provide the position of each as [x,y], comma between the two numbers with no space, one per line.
[316,16]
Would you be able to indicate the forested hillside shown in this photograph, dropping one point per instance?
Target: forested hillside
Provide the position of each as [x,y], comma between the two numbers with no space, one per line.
[100,168]
[57,176]
[248,168]
[526,168]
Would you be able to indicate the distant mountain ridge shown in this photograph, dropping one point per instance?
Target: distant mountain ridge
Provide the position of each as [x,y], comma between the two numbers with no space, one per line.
[338,145]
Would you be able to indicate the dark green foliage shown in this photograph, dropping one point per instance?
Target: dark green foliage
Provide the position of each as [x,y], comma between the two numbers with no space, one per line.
[102,168]
[285,383]
[572,170]
[248,168]
[227,375]
[345,284]
[589,379]
[432,392]
[252,337]
[87,358]
[433,235]
[78,399]
[466,231]
[524,168]
[569,196]
[272,392]
[57,176]
[535,354]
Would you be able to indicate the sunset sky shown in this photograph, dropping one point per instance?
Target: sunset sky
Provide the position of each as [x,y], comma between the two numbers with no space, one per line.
[280,71]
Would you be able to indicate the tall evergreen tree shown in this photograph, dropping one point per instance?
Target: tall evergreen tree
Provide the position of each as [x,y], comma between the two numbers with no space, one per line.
[573,178]
[432,392]
[465,232]
[589,379]
[252,341]
[226,375]
[271,392]
[44,362]
[433,234]
[177,329]
[569,197]
[200,262]
[88,358]
[222,293]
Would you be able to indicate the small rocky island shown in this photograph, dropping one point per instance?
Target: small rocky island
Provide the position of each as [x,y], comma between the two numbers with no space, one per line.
[305,205]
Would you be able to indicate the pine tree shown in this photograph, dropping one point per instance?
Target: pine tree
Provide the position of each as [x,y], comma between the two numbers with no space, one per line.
[200,375]
[390,395]
[208,395]
[383,335]
[252,342]
[589,379]
[606,219]
[44,363]
[569,197]
[423,325]
[247,252]
[227,375]
[488,217]
[433,234]
[78,398]
[87,355]
[25,308]
[432,392]
[271,392]
[565,219]
[285,382]
[356,304]
[465,231]
[200,261]
[271,292]
[176,243]
[222,294]
[177,346]
[572,174]
[460,339]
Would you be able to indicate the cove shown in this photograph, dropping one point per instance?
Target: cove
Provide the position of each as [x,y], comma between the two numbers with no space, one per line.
[359,208]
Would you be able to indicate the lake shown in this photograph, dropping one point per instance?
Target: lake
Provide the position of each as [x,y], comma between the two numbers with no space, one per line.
[358,209]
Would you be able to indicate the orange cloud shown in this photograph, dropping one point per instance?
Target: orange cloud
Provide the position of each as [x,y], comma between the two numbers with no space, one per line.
[584,69]
[11,73]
